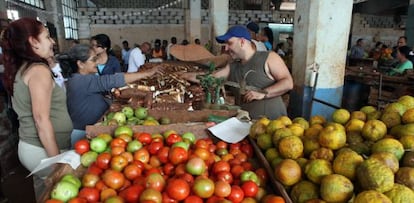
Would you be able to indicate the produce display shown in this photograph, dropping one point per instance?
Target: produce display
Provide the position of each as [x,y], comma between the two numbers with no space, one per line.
[360,156]
[163,167]
[164,91]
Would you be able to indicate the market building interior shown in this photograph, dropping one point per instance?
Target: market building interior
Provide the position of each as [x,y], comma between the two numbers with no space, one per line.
[323,33]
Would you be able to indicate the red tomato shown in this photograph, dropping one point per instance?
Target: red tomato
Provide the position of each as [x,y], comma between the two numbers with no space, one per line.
[193,199]
[201,143]
[234,146]
[203,187]
[214,199]
[154,162]
[262,174]
[225,176]
[187,177]
[222,189]
[167,199]
[150,195]
[107,192]
[90,180]
[100,185]
[89,193]
[168,169]
[117,151]
[93,168]
[142,155]
[132,171]
[273,199]
[118,142]
[53,201]
[173,138]
[236,170]
[82,146]
[178,189]
[250,188]
[177,155]
[221,144]
[163,154]
[103,160]
[77,200]
[154,147]
[118,163]
[247,166]
[113,179]
[241,156]
[220,166]
[155,181]
[144,138]
[236,194]
[247,149]
[132,193]
[202,153]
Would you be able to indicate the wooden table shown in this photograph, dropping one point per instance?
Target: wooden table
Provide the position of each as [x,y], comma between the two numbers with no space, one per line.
[383,88]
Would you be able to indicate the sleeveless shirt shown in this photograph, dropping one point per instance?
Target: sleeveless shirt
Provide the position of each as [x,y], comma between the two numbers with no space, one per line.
[59,115]
[273,107]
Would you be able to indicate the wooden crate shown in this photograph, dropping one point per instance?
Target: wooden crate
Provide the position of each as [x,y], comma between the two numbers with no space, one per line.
[199,129]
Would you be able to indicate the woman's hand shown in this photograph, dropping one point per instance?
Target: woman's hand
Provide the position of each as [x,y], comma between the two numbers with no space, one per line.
[155,70]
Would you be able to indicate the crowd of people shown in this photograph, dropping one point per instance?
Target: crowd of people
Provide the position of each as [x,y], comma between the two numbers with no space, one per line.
[399,58]
[55,97]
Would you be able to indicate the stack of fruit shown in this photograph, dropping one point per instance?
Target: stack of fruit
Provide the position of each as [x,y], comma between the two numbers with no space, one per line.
[130,116]
[165,167]
[362,156]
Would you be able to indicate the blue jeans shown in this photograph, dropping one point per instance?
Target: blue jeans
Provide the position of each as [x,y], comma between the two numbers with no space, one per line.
[75,136]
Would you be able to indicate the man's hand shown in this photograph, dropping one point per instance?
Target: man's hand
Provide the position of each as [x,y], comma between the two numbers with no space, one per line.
[253,95]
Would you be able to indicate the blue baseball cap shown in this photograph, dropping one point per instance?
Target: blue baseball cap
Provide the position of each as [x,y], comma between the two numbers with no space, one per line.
[235,31]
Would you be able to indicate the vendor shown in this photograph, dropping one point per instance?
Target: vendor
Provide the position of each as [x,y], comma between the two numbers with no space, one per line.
[85,101]
[263,70]
[404,56]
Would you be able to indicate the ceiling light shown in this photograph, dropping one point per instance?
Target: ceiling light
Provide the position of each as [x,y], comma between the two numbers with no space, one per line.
[287,6]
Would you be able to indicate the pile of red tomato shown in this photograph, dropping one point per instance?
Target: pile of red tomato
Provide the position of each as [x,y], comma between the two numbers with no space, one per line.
[171,168]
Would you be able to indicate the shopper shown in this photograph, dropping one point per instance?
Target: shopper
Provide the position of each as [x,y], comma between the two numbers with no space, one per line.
[254,29]
[157,52]
[107,62]
[86,102]
[263,70]
[173,42]
[402,41]
[405,58]
[40,104]
[125,55]
[358,50]
[267,38]
[138,57]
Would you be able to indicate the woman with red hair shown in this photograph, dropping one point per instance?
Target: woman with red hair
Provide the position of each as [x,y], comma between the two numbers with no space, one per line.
[44,122]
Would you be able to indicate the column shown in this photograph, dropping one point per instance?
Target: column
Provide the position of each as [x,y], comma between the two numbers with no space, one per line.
[219,21]
[409,25]
[194,22]
[321,32]
[3,14]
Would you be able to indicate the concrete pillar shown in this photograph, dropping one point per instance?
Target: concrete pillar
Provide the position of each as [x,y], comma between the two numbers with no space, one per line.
[193,21]
[3,14]
[321,34]
[219,21]
[265,5]
[409,25]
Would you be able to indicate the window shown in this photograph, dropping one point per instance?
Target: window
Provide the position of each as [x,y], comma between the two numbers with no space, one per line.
[12,14]
[70,17]
[35,3]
